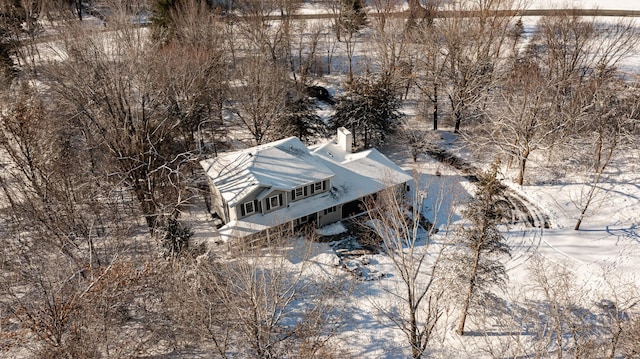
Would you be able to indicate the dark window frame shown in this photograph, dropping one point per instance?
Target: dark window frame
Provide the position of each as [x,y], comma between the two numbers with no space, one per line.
[330,210]
[253,208]
[277,201]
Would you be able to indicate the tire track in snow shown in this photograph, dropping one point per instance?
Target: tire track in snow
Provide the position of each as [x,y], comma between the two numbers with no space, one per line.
[521,207]
[519,210]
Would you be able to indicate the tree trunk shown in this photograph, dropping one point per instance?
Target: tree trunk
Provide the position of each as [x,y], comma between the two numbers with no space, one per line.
[366,138]
[350,56]
[577,227]
[458,116]
[415,345]
[592,191]
[465,309]
[457,112]
[598,152]
[522,167]
[435,106]
[467,300]
[616,335]
[78,4]
[147,204]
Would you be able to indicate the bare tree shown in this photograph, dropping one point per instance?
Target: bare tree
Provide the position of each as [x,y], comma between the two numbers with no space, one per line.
[12,18]
[302,49]
[63,238]
[610,124]
[391,49]
[197,86]
[349,17]
[331,44]
[115,92]
[259,97]
[430,55]
[617,314]
[430,63]
[46,184]
[568,321]
[576,59]
[62,9]
[266,37]
[415,139]
[572,50]
[474,48]
[406,238]
[259,302]
[629,336]
[522,122]
[556,313]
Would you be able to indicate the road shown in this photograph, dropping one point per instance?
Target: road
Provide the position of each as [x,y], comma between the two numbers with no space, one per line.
[463,14]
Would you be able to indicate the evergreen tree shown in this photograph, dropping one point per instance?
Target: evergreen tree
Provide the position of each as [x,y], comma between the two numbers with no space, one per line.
[12,17]
[481,245]
[175,238]
[300,119]
[352,15]
[369,110]
[163,8]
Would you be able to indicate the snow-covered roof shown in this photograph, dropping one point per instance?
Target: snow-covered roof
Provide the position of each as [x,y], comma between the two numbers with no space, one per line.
[283,164]
[354,175]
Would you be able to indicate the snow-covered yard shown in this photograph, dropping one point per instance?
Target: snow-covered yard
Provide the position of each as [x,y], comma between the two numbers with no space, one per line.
[605,250]
[600,260]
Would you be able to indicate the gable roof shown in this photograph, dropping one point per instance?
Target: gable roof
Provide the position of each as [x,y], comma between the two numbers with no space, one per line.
[369,170]
[283,164]
[354,175]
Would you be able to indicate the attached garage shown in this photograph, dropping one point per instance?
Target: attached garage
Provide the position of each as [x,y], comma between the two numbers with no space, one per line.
[352,208]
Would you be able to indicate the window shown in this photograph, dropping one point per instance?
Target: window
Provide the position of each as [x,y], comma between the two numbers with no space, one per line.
[274,201]
[303,219]
[249,208]
[317,187]
[299,192]
[330,210]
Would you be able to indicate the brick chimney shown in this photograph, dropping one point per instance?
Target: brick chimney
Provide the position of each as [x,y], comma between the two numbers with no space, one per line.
[345,139]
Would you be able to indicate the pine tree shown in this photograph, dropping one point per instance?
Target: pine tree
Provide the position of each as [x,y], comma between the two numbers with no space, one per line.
[163,9]
[175,238]
[369,110]
[12,17]
[300,119]
[481,244]
[352,17]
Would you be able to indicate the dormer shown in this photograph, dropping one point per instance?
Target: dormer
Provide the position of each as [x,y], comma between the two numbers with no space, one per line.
[272,199]
[310,189]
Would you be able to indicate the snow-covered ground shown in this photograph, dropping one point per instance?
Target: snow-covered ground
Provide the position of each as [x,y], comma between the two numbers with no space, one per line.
[606,248]
[608,244]
[585,4]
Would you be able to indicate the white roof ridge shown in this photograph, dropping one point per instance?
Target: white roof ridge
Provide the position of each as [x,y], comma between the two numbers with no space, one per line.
[270,165]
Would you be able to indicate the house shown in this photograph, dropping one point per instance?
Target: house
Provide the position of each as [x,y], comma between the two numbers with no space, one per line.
[287,183]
